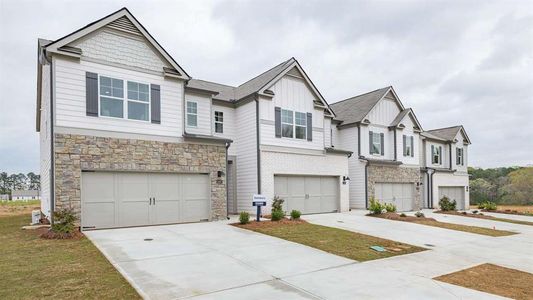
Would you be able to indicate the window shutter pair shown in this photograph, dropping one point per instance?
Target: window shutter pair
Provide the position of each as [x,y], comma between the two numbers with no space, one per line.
[91,94]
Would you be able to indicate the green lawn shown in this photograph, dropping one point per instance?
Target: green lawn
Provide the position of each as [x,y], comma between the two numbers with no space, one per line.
[340,242]
[33,268]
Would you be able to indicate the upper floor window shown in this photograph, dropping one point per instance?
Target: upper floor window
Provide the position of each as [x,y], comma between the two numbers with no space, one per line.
[408,145]
[436,154]
[219,122]
[113,104]
[192,114]
[376,143]
[287,123]
[459,157]
[111,97]
[301,125]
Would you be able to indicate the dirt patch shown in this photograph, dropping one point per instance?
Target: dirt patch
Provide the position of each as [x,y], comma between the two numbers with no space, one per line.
[493,279]
[48,234]
[269,224]
[14,210]
[435,223]
[481,216]
[510,212]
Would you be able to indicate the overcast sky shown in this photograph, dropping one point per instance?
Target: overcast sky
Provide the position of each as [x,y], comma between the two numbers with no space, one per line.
[463,62]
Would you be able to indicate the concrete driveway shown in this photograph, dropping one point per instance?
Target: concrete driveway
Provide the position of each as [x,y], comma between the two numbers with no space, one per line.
[218,261]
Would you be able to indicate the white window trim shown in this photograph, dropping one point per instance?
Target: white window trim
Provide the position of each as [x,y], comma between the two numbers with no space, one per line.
[436,148]
[219,122]
[124,100]
[293,124]
[187,114]
[461,157]
[408,145]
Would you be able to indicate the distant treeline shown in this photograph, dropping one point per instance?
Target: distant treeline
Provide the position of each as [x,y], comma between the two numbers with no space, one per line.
[20,181]
[512,185]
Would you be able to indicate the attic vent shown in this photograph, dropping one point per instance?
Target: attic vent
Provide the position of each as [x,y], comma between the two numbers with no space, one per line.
[124,24]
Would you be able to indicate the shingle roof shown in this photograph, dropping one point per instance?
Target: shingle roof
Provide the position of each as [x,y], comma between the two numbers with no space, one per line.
[254,85]
[448,133]
[400,117]
[353,110]
[21,193]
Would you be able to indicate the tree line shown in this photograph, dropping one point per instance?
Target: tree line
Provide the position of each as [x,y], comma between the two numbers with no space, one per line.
[20,181]
[513,185]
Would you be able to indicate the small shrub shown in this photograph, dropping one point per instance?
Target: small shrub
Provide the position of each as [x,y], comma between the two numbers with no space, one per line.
[244,217]
[390,207]
[490,205]
[403,215]
[481,205]
[375,207]
[277,215]
[295,214]
[447,205]
[475,212]
[64,226]
[277,203]
[419,214]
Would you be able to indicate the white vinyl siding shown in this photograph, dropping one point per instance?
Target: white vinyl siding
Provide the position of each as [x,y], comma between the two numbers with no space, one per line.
[70,100]
[203,114]
[356,169]
[230,129]
[246,140]
[44,142]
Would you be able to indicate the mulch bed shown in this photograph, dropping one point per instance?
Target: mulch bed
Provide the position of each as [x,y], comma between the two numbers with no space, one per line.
[508,212]
[47,233]
[397,217]
[493,279]
[269,224]
[464,214]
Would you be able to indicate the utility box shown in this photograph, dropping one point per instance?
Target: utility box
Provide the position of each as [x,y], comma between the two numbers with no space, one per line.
[35,217]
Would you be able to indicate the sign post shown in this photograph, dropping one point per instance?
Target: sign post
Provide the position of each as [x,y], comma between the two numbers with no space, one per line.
[258,201]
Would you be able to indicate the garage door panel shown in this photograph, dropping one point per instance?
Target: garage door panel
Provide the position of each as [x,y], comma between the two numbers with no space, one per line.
[195,210]
[313,186]
[399,194]
[454,193]
[329,204]
[98,215]
[296,186]
[313,205]
[294,203]
[329,186]
[308,194]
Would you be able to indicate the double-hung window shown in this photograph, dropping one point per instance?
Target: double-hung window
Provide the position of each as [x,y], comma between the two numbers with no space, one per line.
[287,123]
[459,157]
[136,106]
[436,154]
[111,97]
[192,114]
[376,143]
[408,145]
[219,122]
[300,125]
[138,101]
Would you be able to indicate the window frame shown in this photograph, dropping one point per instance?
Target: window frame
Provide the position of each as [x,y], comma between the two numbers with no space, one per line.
[221,123]
[436,154]
[301,126]
[286,123]
[187,114]
[124,99]
[378,134]
[461,157]
[294,125]
[408,145]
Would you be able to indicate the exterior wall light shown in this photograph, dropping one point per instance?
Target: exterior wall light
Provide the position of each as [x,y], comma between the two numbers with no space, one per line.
[345,179]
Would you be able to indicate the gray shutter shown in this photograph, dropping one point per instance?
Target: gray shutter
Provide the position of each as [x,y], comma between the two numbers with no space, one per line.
[440,155]
[404,138]
[412,146]
[432,151]
[277,119]
[91,94]
[155,101]
[370,134]
[309,126]
[382,135]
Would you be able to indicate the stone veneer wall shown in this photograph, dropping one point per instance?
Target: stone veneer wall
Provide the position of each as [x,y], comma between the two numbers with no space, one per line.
[381,173]
[74,153]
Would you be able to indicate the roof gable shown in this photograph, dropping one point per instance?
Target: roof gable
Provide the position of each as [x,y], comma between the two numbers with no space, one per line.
[401,116]
[355,109]
[449,134]
[121,20]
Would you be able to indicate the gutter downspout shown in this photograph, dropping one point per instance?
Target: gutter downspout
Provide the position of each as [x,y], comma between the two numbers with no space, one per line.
[430,190]
[258,145]
[366,179]
[227,185]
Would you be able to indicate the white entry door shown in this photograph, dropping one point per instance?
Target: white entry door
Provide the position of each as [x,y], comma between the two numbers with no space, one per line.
[308,194]
[400,194]
[456,193]
[121,199]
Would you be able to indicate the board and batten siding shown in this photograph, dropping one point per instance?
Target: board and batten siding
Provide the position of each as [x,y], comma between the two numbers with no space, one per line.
[229,126]
[246,140]
[203,119]
[384,112]
[70,108]
[45,141]
[290,93]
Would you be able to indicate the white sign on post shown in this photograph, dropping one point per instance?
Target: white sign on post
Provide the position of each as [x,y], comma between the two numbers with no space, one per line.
[259,200]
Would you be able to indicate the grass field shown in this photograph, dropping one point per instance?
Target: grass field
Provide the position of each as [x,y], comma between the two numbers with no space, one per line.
[520,208]
[34,268]
[10,208]
[340,242]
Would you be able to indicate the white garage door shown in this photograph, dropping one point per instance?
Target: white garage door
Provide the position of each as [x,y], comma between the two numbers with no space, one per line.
[400,194]
[308,194]
[133,199]
[456,193]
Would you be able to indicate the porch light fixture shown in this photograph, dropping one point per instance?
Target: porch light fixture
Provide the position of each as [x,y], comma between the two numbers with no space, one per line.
[220,174]
[345,179]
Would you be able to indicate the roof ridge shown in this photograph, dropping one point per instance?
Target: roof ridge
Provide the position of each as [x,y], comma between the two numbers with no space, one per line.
[213,82]
[282,63]
[351,98]
[449,127]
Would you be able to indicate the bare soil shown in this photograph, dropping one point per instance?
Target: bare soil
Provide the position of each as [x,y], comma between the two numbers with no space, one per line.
[269,224]
[493,279]
[481,216]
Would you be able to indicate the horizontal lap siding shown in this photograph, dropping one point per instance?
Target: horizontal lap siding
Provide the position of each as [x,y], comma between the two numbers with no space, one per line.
[44,141]
[70,99]
[204,114]
[246,140]
[356,168]
[230,129]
